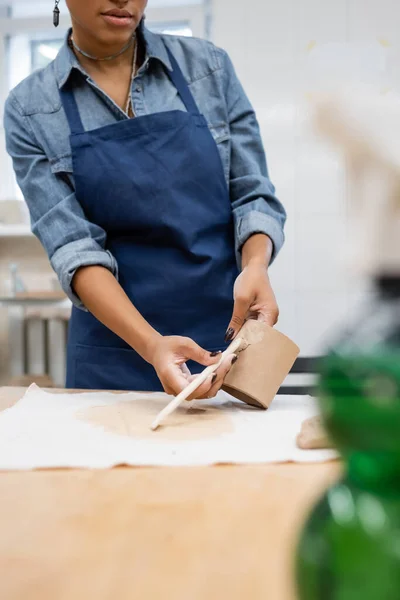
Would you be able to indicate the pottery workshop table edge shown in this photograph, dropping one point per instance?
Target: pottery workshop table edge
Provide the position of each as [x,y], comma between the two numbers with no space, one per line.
[150,533]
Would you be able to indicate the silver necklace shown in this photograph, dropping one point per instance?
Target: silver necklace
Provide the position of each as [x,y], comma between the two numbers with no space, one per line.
[134,68]
[124,49]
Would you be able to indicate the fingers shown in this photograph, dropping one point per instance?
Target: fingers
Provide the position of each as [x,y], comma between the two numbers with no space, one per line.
[204,389]
[221,374]
[193,351]
[175,375]
[214,385]
[186,371]
[210,388]
[167,389]
[269,319]
[268,315]
[240,310]
[173,380]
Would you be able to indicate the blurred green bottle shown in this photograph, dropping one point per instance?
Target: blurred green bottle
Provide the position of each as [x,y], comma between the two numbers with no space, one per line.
[350,547]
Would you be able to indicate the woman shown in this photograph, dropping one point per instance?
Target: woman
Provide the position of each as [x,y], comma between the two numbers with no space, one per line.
[141,162]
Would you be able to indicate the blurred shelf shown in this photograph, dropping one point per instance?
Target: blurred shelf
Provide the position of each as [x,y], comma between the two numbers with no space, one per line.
[49,295]
[36,299]
[15,231]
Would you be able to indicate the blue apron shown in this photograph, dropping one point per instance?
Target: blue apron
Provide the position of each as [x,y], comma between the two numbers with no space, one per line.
[156,185]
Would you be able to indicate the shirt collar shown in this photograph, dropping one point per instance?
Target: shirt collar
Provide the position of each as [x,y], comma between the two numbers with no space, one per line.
[66,61]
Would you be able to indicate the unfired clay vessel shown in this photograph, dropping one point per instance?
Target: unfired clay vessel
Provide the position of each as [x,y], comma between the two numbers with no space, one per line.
[262,366]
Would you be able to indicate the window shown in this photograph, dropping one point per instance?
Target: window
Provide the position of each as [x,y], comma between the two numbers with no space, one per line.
[27,52]
[178,28]
[44,51]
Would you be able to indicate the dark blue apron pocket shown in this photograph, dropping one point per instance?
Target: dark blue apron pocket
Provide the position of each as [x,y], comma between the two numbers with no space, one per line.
[105,368]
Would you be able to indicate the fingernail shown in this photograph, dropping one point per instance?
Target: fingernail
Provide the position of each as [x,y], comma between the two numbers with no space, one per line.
[229,334]
[214,379]
[214,354]
[234,359]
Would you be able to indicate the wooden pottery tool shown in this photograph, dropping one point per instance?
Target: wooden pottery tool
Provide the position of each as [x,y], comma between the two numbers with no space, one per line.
[261,369]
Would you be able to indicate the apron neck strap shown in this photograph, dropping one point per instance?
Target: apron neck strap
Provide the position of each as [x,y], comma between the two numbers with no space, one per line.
[181,85]
[71,110]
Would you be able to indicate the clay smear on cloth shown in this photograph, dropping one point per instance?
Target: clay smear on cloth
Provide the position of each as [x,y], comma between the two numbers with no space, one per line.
[191,421]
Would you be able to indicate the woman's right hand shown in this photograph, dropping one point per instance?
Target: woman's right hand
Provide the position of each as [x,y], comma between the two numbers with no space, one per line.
[169,355]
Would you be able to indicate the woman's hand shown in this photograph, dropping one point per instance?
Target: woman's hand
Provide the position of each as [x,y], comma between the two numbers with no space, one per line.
[254,299]
[168,355]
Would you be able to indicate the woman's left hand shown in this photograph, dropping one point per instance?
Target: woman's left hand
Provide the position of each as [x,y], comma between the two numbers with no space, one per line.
[254,298]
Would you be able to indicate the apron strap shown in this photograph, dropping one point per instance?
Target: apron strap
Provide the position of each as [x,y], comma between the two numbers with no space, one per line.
[71,110]
[181,85]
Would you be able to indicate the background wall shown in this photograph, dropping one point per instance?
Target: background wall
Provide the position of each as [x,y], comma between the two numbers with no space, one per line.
[282,51]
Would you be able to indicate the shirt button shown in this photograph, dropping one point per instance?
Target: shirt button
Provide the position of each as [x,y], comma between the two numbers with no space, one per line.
[138,88]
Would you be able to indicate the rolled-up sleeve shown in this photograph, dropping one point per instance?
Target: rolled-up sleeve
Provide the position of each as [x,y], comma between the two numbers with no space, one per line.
[255,207]
[57,218]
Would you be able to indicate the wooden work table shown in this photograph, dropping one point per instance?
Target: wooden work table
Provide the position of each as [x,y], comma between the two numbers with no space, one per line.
[212,533]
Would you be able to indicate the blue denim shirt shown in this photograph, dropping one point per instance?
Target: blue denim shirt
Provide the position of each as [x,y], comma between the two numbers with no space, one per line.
[37,137]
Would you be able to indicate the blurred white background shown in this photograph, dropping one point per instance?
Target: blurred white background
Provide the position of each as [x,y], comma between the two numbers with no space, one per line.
[283,51]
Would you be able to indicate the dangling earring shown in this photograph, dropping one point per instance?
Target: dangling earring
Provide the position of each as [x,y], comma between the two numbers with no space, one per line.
[56,14]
